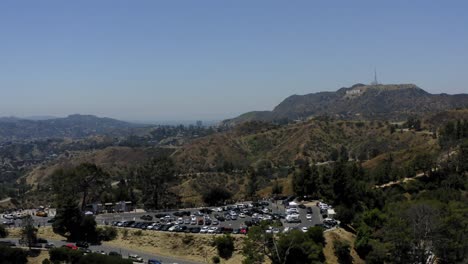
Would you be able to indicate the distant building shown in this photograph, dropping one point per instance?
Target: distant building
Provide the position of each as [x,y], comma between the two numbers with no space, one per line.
[199,123]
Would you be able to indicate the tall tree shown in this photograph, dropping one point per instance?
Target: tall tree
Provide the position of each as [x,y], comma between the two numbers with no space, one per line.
[28,231]
[154,178]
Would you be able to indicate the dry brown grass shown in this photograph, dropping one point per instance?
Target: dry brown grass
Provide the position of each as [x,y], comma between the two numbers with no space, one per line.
[38,259]
[343,235]
[43,232]
[195,247]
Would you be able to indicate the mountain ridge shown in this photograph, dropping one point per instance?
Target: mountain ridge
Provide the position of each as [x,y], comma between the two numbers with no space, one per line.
[360,101]
[73,126]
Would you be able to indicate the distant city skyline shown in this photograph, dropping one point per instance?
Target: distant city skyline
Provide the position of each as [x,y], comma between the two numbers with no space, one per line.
[212,60]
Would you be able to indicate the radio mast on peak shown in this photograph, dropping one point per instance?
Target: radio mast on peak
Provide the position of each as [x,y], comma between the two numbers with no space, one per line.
[375,82]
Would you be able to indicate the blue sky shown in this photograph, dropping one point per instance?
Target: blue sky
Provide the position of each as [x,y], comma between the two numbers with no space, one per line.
[180,60]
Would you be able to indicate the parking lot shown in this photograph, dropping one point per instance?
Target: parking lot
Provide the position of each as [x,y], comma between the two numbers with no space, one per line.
[230,218]
[225,219]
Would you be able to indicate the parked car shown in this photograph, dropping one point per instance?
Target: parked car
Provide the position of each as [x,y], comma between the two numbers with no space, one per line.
[82,244]
[204,229]
[49,245]
[114,254]
[154,261]
[7,243]
[41,240]
[41,214]
[70,246]
[309,217]
[146,217]
[9,222]
[135,258]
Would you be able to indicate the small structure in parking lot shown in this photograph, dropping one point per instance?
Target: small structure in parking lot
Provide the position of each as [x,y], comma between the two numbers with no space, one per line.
[331,213]
[122,206]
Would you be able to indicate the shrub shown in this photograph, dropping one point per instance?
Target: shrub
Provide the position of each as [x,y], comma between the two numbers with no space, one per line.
[225,246]
[13,255]
[138,233]
[125,233]
[107,233]
[46,261]
[3,231]
[58,255]
[216,260]
[187,239]
[342,252]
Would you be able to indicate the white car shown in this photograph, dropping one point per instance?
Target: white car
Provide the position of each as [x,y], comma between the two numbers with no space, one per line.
[204,229]
[309,217]
[172,228]
[219,209]
[232,213]
[135,258]
[151,226]
[180,221]
[267,217]
[304,229]
[8,216]
[212,230]
[242,215]
[265,210]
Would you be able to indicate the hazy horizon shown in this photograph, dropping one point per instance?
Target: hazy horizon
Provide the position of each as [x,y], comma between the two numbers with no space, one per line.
[211,60]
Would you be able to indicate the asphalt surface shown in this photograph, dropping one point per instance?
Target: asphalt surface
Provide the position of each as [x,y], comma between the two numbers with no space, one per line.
[274,207]
[124,252]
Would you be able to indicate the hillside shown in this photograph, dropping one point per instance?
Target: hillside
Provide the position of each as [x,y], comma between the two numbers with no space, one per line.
[375,102]
[112,159]
[73,126]
[314,140]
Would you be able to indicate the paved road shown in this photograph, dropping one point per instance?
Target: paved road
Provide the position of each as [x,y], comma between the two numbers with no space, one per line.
[123,252]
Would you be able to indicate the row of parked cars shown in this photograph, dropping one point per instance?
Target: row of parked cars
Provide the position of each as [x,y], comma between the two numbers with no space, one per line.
[172,227]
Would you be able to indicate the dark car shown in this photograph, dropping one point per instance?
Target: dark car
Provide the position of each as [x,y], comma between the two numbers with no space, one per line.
[7,243]
[128,223]
[146,217]
[160,215]
[49,245]
[195,230]
[154,261]
[82,244]
[52,220]
[236,231]
[114,254]
[206,210]
[41,240]
[301,206]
